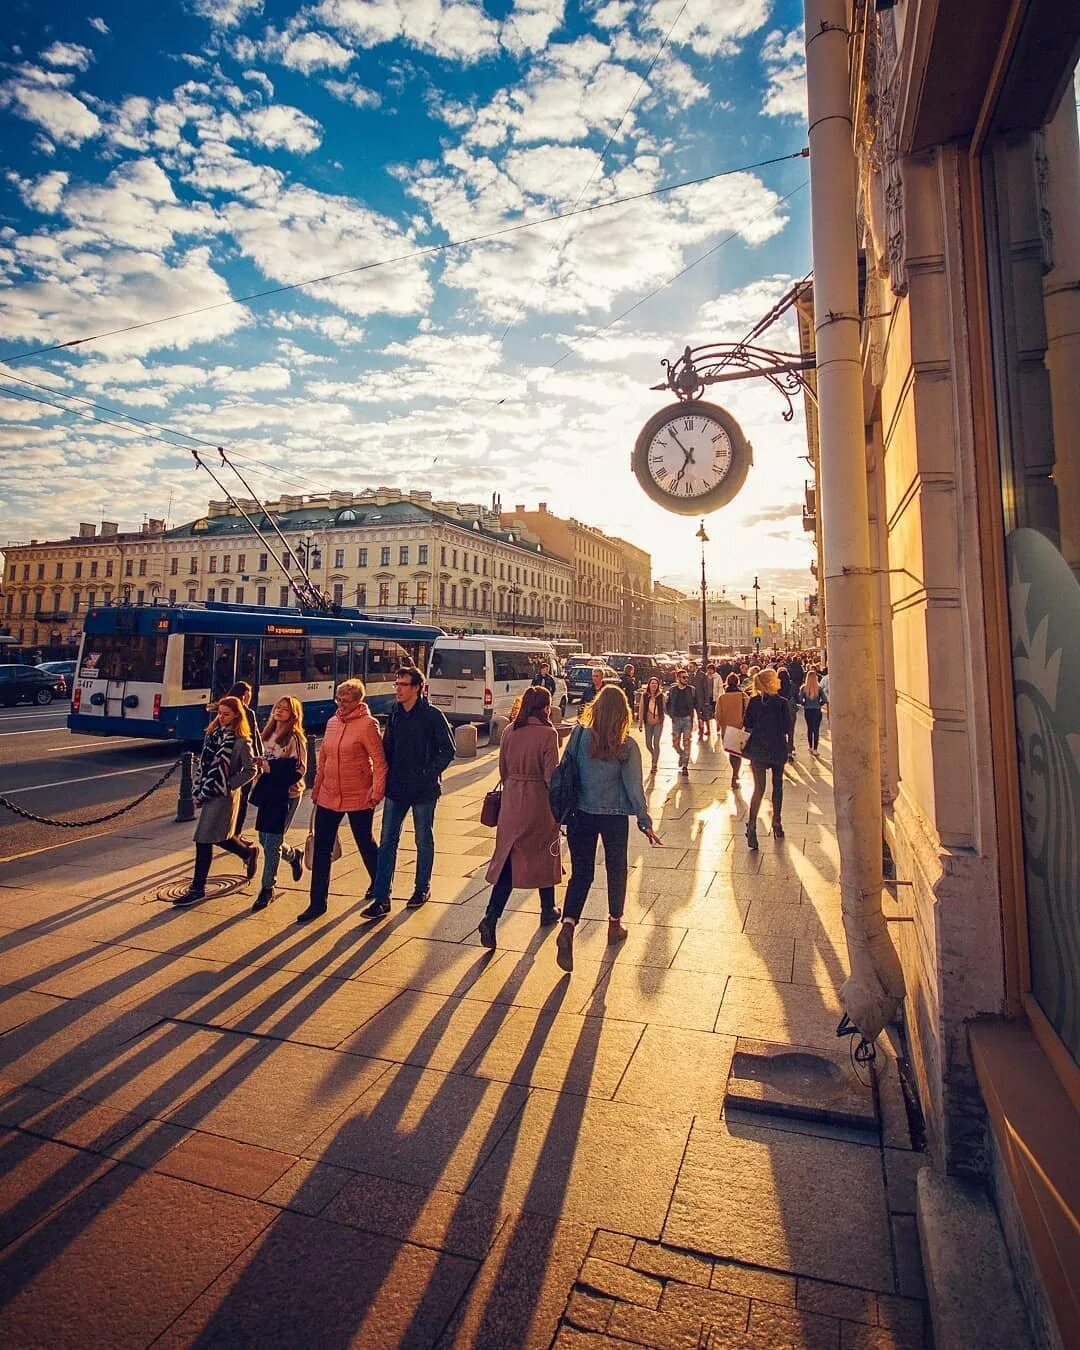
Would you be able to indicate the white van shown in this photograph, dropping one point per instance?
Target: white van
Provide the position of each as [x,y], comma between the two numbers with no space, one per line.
[472,679]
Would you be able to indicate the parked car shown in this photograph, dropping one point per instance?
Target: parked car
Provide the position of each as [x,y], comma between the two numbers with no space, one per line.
[65,668]
[19,683]
[580,678]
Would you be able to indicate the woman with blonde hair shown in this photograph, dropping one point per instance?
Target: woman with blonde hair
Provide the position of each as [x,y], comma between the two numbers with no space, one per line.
[225,764]
[611,789]
[349,781]
[730,710]
[813,698]
[771,726]
[277,794]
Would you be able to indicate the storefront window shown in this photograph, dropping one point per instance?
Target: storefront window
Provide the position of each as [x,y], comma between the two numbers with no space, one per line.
[1032,210]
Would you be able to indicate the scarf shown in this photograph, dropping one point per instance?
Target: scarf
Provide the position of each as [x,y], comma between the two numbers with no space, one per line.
[212,773]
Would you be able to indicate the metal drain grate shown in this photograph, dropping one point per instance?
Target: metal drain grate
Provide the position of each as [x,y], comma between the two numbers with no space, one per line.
[801,1083]
[216,887]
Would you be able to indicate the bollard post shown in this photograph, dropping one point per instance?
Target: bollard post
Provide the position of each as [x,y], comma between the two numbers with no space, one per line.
[465,741]
[185,802]
[312,761]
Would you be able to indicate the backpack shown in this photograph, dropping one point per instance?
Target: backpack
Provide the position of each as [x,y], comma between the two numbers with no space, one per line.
[564,790]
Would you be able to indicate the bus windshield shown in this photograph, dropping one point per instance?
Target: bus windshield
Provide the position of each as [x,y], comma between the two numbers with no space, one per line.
[114,656]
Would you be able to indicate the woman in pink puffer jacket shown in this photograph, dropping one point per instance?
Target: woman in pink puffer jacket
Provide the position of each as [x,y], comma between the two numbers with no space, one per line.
[349,781]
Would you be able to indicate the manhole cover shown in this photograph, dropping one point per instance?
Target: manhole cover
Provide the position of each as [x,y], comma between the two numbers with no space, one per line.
[215,888]
[802,1083]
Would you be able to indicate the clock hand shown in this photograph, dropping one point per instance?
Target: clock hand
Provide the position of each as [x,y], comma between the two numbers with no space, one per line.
[689,454]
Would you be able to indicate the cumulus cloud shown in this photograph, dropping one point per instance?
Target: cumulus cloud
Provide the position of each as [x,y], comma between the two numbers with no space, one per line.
[143,124]
[784,59]
[350,90]
[226,13]
[100,24]
[41,96]
[457,30]
[305,51]
[529,25]
[68,54]
[712,29]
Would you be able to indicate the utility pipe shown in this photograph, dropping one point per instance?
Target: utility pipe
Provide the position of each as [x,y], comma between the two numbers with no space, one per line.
[874,991]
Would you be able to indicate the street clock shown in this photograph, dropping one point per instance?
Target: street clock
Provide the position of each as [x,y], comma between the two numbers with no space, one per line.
[691,457]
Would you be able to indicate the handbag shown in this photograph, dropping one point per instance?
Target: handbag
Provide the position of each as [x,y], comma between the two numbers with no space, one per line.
[309,848]
[489,811]
[564,790]
[735,739]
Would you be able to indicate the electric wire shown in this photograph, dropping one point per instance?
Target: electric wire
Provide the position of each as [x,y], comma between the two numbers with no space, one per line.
[426,251]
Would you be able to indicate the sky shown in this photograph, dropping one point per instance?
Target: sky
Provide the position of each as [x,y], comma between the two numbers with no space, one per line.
[170,157]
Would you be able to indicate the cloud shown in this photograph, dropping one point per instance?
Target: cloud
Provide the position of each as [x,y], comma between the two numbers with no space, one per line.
[730,316]
[334,327]
[711,29]
[44,193]
[261,79]
[100,24]
[529,25]
[226,13]
[784,59]
[305,51]
[40,96]
[350,90]
[69,54]
[139,124]
[279,126]
[457,30]
[253,380]
[788,511]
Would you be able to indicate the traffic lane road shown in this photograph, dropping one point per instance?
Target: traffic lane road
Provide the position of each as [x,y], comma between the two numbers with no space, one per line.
[47,770]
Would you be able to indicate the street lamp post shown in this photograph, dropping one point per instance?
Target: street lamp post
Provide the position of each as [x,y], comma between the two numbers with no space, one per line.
[783,631]
[757,617]
[514,592]
[704,597]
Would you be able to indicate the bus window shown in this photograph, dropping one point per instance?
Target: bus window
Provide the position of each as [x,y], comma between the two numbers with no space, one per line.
[116,656]
[320,658]
[196,661]
[419,651]
[283,660]
[384,657]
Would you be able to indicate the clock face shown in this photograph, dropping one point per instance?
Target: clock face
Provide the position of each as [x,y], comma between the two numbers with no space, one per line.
[691,457]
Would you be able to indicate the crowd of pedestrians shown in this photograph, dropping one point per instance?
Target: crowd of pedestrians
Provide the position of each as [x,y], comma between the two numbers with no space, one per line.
[359,767]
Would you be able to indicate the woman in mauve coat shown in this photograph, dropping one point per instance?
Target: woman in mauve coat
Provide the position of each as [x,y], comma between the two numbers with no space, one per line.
[527,846]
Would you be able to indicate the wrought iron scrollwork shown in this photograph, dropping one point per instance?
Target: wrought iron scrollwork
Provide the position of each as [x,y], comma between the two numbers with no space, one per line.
[717,363]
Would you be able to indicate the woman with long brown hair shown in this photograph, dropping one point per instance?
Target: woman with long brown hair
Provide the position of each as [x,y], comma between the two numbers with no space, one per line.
[611,789]
[527,851]
[277,794]
[225,764]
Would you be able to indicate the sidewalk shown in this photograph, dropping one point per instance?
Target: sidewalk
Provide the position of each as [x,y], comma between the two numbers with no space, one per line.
[218,1128]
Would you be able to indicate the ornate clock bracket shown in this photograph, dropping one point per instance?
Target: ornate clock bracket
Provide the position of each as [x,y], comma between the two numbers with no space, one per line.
[717,363]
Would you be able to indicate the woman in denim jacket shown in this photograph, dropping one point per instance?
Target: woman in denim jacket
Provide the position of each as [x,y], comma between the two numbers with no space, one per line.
[611,790]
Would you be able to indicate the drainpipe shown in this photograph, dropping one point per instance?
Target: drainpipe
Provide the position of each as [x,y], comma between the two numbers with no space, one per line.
[874,991]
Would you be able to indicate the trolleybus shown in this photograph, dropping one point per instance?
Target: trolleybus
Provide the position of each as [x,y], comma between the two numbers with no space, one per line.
[153,670]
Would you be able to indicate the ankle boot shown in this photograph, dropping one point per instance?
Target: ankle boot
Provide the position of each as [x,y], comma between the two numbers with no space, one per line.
[564,947]
[751,837]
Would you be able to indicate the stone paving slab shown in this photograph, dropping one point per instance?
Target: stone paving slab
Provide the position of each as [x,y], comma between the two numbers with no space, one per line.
[674,998]
[562,1052]
[428,1030]
[672,1064]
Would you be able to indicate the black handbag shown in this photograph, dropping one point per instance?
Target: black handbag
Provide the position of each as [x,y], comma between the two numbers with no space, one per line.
[564,790]
[489,811]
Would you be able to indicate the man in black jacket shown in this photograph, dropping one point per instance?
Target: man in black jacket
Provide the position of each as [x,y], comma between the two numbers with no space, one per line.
[545,679]
[418,746]
[680,707]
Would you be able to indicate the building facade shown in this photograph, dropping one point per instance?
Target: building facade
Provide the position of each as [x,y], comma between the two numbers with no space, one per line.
[596,616]
[635,597]
[389,553]
[965,126]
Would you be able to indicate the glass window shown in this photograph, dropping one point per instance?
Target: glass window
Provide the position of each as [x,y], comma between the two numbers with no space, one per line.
[403,555]
[422,555]
[320,658]
[239,595]
[196,670]
[384,592]
[211,594]
[224,595]
[129,568]
[384,556]
[93,570]
[263,562]
[516,665]
[142,567]
[403,593]
[338,594]
[1032,222]
[283,597]
[339,557]
[260,595]
[383,659]
[226,563]
[122,656]
[192,570]
[421,592]
[41,571]
[174,566]
[241,562]
[212,565]
[361,557]
[283,660]
[172,599]
[457,664]
[361,595]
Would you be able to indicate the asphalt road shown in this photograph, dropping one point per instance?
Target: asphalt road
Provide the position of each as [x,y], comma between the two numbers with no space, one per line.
[47,770]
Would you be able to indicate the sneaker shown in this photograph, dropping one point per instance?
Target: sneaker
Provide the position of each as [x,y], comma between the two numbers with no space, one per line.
[252,863]
[378,909]
[549,916]
[190,897]
[369,894]
[296,862]
[615,931]
[564,947]
[417,899]
[312,912]
[487,932]
[263,898]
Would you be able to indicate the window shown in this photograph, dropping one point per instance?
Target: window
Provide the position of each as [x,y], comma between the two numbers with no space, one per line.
[224,595]
[41,571]
[384,592]
[172,598]
[361,595]
[226,563]
[241,562]
[142,567]
[453,597]
[339,557]
[91,599]
[196,670]
[476,563]
[174,566]
[283,596]
[124,656]
[384,556]
[93,570]
[403,555]
[211,594]
[283,660]
[384,658]
[338,592]
[193,569]
[421,592]
[422,555]
[461,663]
[516,665]
[264,562]
[129,568]
[442,556]
[442,592]
[22,603]
[140,598]
[260,595]
[286,560]
[361,557]
[485,567]
[320,663]
[403,593]
[10,603]
[455,560]
[59,572]
[212,563]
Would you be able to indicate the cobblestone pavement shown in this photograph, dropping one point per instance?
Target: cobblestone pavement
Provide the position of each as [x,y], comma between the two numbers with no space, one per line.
[217,1128]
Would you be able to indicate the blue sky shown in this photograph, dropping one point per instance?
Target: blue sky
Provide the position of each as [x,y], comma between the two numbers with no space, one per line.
[162,158]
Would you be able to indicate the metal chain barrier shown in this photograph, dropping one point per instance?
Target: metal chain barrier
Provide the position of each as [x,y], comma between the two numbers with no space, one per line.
[97,820]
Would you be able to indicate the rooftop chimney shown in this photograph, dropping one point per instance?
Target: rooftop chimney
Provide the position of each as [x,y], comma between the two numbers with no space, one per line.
[87,531]
[543,506]
[519,507]
[109,529]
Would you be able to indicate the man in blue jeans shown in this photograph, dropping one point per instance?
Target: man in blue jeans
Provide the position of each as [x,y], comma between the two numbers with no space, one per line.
[681,702]
[418,746]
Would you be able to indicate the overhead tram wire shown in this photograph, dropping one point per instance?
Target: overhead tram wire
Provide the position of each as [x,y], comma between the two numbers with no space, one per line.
[427,251]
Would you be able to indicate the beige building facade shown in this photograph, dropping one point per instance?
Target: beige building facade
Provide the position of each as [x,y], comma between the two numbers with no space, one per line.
[965,127]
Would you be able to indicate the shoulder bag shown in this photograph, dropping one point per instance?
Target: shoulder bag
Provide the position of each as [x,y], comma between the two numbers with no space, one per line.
[564,790]
[489,811]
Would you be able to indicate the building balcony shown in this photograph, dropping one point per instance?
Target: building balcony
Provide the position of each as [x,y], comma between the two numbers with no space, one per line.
[51,616]
[809,521]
